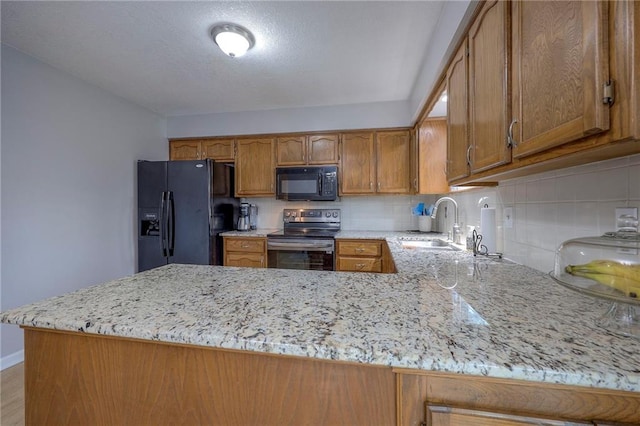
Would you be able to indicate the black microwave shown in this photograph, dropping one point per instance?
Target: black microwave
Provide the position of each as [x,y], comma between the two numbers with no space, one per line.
[315,183]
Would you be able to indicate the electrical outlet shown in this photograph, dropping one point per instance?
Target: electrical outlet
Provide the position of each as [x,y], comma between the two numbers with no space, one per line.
[626,217]
[507,214]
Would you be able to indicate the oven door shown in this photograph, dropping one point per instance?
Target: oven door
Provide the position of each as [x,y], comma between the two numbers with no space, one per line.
[301,253]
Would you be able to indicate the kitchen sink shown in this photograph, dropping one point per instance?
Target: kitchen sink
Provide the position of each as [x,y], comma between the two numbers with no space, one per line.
[427,244]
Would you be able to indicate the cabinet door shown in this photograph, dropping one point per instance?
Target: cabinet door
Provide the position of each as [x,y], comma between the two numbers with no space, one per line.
[291,150]
[432,157]
[489,100]
[323,149]
[255,167]
[218,149]
[393,168]
[560,65]
[457,118]
[357,163]
[249,260]
[449,416]
[184,150]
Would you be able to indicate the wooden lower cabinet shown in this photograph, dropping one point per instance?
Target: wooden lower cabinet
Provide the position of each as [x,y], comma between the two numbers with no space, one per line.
[439,399]
[80,378]
[363,256]
[245,251]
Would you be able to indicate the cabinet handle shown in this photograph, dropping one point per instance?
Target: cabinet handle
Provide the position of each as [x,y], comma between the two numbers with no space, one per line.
[378,186]
[370,185]
[244,245]
[359,265]
[415,184]
[359,249]
[511,142]
[469,155]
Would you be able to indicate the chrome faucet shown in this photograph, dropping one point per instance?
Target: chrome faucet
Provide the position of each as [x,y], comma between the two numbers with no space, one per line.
[455,234]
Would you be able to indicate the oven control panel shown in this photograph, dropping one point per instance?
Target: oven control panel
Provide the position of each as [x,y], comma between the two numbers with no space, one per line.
[311,215]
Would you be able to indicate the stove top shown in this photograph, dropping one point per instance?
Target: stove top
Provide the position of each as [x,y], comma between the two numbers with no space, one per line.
[317,223]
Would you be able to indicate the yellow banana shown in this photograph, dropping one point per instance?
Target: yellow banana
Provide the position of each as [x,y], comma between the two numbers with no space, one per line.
[628,286]
[608,267]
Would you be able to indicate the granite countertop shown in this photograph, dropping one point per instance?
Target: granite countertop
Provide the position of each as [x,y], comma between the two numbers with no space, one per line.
[442,311]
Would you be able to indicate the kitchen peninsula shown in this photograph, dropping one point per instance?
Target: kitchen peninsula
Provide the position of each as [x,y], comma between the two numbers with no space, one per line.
[195,344]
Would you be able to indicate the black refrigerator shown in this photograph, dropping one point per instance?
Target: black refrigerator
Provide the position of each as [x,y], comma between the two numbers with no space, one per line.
[183,206]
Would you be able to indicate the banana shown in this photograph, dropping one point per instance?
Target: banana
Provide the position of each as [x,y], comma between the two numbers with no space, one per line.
[621,276]
[628,286]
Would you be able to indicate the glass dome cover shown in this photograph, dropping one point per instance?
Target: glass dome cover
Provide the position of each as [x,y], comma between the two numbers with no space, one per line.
[607,266]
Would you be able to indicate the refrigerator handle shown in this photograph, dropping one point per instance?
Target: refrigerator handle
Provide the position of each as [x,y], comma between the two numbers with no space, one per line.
[171,223]
[163,228]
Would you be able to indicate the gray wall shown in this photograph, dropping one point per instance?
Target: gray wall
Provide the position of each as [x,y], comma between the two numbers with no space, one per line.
[69,152]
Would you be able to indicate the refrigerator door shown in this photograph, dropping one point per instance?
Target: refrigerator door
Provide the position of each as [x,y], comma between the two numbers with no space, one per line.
[152,186]
[189,234]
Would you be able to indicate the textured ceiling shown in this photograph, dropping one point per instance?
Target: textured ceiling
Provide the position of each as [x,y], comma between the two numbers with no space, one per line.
[160,55]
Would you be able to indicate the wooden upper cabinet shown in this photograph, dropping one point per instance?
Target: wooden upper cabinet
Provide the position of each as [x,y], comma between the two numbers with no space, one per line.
[431,154]
[489,102]
[302,150]
[255,167]
[393,171]
[215,149]
[184,150]
[357,159]
[323,149]
[457,116]
[218,149]
[291,150]
[560,67]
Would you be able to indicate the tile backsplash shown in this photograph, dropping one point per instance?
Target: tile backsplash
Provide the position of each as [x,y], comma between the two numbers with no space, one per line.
[552,207]
[547,208]
[382,213]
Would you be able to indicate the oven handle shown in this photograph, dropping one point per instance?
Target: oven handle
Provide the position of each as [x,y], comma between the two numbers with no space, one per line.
[306,246]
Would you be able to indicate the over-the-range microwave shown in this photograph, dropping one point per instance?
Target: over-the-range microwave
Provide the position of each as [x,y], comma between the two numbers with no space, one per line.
[313,183]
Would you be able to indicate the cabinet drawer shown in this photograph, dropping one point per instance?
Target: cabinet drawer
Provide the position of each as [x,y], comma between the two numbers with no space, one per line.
[360,248]
[255,245]
[359,264]
[252,260]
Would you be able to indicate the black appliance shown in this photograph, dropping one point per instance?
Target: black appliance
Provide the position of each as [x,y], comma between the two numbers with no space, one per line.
[306,241]
[183,206]
[315,183]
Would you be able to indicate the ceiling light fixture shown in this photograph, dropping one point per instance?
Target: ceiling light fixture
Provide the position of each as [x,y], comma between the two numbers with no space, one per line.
[232,39]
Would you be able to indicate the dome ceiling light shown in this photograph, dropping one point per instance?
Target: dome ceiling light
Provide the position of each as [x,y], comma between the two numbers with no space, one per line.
[232,39]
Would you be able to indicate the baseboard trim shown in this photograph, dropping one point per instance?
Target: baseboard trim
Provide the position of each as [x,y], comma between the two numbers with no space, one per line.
[11,360]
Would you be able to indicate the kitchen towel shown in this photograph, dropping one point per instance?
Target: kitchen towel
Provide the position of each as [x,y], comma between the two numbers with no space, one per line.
[488,228]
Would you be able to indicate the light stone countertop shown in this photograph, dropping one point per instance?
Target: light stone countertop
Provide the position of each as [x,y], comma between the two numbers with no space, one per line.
[442,311]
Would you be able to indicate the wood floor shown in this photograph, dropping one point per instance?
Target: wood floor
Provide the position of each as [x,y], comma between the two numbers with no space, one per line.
[12,396]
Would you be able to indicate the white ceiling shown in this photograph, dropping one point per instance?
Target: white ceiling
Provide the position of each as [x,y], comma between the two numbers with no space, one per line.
[160,55]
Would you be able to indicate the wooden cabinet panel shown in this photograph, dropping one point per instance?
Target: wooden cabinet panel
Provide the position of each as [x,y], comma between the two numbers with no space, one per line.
[457,116]
[245,251]
[253,244]
[312,149]
[359,248]
[357,163]
[363,256]
[432,157]
[323,149]
[218,149]
[291,150]
[560,65]
[419,389]
[184,150]
[393,162]
[248,260]
[359,264]
[255,167]
[451,416]
[489,103]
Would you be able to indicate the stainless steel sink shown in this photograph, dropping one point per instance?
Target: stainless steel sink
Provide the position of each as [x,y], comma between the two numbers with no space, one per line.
[427,244]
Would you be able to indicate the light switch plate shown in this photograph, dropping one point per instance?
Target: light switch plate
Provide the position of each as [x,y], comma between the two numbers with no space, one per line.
[625,211]
[507,214]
